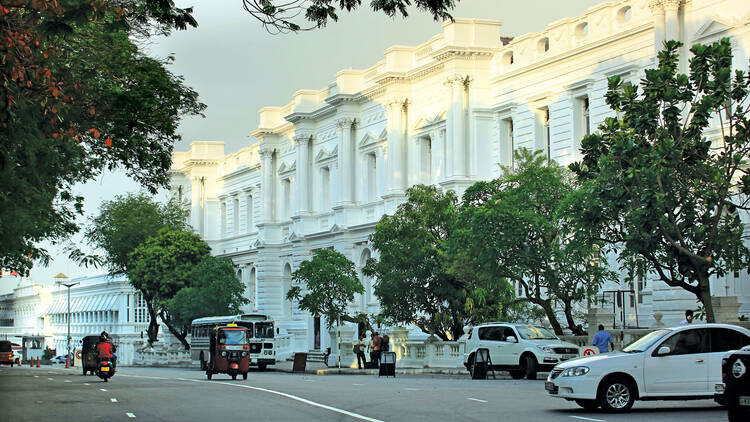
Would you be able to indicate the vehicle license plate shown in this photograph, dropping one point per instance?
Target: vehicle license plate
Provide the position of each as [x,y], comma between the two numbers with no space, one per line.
[566,357]
[744,400]
[105,369]
[550,386]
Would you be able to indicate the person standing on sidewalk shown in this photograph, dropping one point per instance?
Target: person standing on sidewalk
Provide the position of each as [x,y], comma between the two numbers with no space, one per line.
[359,350]
[375,350]
[602,340]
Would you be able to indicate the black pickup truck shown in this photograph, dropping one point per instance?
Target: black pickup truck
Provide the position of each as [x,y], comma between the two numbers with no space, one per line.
[735,372]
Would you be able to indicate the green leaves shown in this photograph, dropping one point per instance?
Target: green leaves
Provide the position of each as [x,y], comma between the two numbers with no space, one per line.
[330,282]
[665,195]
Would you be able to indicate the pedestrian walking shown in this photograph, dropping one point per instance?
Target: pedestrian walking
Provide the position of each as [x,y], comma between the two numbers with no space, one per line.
[688,317]
[603,339]
[359,350]
[375,350]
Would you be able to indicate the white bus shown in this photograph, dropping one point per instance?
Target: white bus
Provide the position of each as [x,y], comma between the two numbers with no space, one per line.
[260,332]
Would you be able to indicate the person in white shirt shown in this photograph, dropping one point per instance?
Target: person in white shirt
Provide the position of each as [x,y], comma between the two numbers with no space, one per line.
[688,317]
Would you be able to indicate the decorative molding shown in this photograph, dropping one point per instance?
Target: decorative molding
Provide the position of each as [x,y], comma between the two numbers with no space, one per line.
[711,27]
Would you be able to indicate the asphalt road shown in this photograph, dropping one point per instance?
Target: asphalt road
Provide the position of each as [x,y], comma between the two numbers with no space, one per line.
[168,394]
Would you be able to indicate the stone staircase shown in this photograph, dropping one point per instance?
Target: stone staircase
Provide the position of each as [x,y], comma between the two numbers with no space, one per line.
[316,356]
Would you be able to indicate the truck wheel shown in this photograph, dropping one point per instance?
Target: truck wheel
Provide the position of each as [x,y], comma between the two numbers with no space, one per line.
[529,367]
[616,395]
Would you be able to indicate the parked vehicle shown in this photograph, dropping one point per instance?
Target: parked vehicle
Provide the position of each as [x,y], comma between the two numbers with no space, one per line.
[105,370]
[60,359]
[89,355]
[523,350]
[734,391]
[677,363]
[229,352]
[6,353]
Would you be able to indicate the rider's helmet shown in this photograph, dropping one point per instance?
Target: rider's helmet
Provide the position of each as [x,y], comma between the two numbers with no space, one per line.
[104,334]
[102,338]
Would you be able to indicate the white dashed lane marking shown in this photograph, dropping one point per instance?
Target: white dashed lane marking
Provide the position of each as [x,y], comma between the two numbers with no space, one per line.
[130,415]
[358,384]
[103,389]
[51,379]
[68,381]
[412,389]
[588,419]
[113,400]
[85,383]
[479,400]
[36,376]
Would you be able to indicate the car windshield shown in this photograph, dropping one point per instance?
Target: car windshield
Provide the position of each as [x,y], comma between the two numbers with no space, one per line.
[232,337]
[645,342]
[530,332]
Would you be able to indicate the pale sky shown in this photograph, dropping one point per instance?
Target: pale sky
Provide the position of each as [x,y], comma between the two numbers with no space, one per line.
[237,68]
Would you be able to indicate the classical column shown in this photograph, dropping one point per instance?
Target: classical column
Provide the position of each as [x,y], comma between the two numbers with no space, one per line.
[671,20]
[346,159]
[657,10]
[303,171]
[457,120]
[266,167]
[395,108]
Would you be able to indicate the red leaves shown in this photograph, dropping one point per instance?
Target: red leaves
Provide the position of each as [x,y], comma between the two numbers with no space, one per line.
[95,132]
[108,142]
[92,111]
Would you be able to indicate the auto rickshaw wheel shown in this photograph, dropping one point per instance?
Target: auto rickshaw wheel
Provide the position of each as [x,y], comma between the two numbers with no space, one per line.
[105,379]
[234,377]
[84,371]
[244,376]
[208,374]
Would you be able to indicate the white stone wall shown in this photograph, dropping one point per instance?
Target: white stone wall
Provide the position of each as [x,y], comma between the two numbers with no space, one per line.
[330,163]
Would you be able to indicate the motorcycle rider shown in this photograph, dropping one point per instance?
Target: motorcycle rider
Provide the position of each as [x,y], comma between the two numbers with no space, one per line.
[105,349]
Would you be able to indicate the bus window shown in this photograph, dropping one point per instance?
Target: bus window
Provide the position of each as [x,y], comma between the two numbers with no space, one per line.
[263,330]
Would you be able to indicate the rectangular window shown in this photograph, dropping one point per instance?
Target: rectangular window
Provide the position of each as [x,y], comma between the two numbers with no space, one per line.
[581,122]
[547,135]
[372,174]
[426,160]
[325,189]
[287,198]
[249,213]
[506,142]
[236,216]
[223,218]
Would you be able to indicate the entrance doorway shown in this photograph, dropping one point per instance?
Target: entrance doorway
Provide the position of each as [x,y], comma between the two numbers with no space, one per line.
[316,330]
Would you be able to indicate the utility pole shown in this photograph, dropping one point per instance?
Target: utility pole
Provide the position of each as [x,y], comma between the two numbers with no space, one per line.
[67,357]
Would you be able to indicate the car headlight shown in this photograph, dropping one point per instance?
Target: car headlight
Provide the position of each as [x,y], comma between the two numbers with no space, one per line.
[575,371]
[224,354]
[244,354]
[546,349]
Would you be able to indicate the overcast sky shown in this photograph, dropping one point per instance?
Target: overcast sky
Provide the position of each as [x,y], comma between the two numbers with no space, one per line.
[237,68]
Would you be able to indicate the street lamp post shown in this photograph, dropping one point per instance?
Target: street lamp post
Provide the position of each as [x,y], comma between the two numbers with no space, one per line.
[67,357]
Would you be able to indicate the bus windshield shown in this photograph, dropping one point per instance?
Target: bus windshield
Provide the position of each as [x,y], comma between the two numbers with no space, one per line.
[232,337]
[264,330]
[5,347]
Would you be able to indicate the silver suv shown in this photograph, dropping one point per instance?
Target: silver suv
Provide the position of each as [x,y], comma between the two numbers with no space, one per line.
[523,350]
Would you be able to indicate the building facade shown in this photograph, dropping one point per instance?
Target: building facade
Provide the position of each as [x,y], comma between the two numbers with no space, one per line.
[448,112]
[97,304]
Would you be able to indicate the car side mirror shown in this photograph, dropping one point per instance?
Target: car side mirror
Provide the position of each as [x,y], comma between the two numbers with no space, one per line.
[663,350]
[511,339]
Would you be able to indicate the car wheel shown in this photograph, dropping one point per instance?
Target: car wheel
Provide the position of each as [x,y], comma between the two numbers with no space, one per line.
[738,414]
[517,374]
[470,366]
[616,395]
[529,367]
[587,404]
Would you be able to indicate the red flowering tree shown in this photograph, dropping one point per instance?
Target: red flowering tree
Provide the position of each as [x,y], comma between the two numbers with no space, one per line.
[78,96]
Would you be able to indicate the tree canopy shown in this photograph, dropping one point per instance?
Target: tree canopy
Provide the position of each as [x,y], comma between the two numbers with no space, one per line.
[214,290]
[302,15]
[415,281]
[662,189]
[519,227]
[79,96]
[162,266]
[330,283]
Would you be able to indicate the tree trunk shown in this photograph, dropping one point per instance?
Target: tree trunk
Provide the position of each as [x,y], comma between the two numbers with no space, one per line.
[550,311]
[179,334]
[153,325]
[568,309]
[704,295]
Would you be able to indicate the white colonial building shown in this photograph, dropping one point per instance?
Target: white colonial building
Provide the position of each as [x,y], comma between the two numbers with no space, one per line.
[101,303]
[447,112]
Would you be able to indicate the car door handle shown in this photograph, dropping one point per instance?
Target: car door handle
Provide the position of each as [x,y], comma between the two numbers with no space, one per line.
[699,360]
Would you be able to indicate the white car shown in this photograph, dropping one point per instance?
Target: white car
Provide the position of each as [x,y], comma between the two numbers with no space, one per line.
[520,349]
[668,364]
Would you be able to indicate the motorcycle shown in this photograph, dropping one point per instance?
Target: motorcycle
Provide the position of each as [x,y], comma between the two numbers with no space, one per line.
[105,370]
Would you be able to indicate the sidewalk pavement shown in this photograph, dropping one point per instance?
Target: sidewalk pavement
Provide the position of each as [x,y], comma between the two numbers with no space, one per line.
[318,368]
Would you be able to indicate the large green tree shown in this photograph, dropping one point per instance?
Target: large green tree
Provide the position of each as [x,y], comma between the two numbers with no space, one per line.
[214,290]
[667,176]
[330,283]
[125,223]
[519,227]
[78,96]
[162,266]
[415,281]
